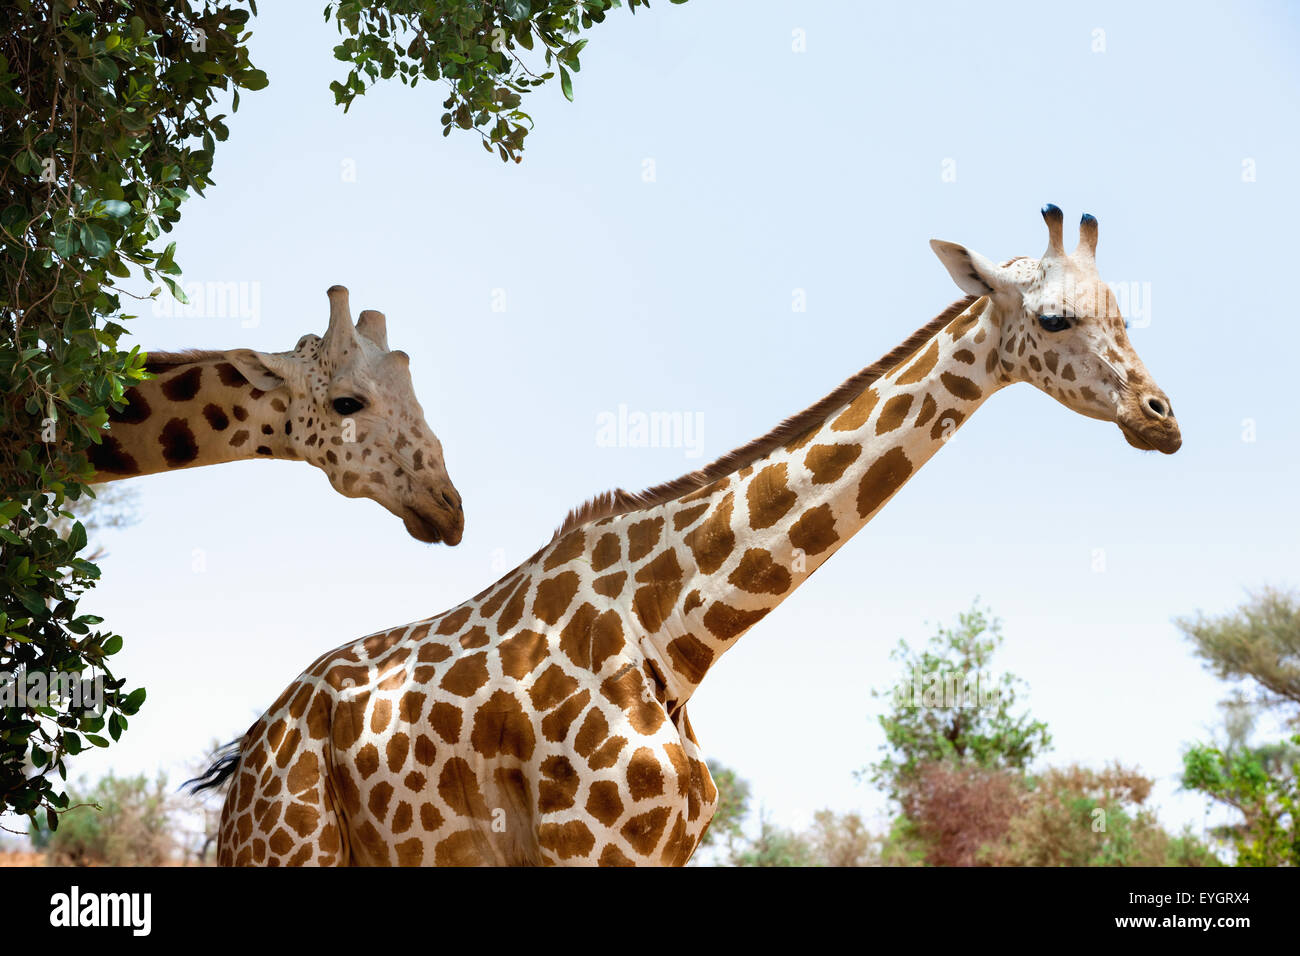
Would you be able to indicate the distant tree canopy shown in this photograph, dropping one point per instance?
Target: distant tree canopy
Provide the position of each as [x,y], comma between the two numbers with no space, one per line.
[110,114]
[1257,647]
[948,706]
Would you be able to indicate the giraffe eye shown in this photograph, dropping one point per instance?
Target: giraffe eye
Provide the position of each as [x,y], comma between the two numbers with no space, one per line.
[348,406]
[1053,323]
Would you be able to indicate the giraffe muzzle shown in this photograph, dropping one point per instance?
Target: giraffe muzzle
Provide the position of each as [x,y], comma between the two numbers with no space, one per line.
[445,525]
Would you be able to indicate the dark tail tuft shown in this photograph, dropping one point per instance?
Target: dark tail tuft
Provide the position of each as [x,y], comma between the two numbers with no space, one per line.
[223,765]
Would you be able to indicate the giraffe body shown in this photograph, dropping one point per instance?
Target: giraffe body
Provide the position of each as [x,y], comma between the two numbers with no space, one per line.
[544,720]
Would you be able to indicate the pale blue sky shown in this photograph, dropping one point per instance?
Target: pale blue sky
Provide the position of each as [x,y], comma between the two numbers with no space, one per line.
[775,171]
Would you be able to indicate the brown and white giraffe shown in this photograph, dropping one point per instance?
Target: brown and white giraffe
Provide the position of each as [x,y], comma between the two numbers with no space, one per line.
[544,720]
[342,402]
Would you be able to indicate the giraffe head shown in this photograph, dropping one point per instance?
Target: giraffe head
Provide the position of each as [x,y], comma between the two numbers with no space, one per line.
[1061,330]
[352,412]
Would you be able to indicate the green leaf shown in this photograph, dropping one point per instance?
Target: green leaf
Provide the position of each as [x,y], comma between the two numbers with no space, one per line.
[566,84]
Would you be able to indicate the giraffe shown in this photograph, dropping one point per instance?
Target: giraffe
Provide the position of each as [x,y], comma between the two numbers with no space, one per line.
[343,402]
[544,720]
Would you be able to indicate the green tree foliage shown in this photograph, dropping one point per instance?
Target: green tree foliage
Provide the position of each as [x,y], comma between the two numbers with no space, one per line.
[485,51]
[1256,646]
[947,706]
[732,807]
[108,121]
[119,822]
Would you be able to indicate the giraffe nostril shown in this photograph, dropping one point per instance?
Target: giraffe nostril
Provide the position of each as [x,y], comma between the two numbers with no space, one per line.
[452,500]
[1156,407]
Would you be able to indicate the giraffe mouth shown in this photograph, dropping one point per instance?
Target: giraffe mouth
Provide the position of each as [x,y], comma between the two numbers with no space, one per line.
[431,529]
[1164,441]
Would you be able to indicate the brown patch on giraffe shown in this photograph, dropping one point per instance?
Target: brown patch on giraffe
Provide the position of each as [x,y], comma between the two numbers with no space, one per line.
[376,644]
[556,724]
[693,600]
[238,438]
[552,688]
[433,653]
[134,411]
[554,595]
[928,408]
[575,638]
[626,690]
[476,636]
[607,754]
[1051,358]
[410,707]
[688,516]
[768,497]
[712,540]
[460,849]
[409,852]
[1035,364]
[425,751]
[349,721]
[557,790]
[514,609]
[645,778]
[453,622]
[607,551]
[613,856]
[965,356]
[678,847]
[445,719]
[566,840]
[727,622]
[885,476]
[521,653]
[606,638]
[643,832]
[593,730]
[963,323]
[502,727]
[467,675]
[380,796]
[1067,373]
[490,607]
[894,413]
[318,717]
[183,387]
[661,583]
[827,462]
[856,415]
[367,761]
[381,716]
[565,550]
[179,447]
[459,789]
[922,367]
[304,774]
[961,386]
[814,532]
[611,585]
[430,817]
[604,803]
[230,376]
[757,573]
[399,746]
[691,657]
[643,536]
[109,457]
[947,424]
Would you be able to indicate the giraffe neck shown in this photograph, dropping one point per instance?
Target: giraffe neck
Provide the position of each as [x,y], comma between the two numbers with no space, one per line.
[202,412]
[740,546]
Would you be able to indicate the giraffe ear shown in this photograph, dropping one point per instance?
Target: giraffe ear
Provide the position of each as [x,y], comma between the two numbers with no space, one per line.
[258,367]
[973,274]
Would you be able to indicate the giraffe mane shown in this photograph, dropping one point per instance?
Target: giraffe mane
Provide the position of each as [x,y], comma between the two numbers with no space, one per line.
[619,502]
[162,361]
